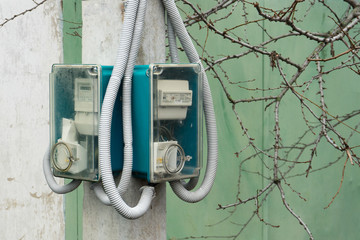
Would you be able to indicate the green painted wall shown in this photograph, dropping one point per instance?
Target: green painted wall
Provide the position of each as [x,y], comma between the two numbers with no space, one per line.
[202,220]
[338,221]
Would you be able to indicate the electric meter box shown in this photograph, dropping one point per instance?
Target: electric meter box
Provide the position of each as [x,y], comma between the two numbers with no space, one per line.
[74,118]
[166,121]
[168,130]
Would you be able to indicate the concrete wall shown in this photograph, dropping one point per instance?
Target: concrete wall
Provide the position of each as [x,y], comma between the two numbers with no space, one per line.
[29,45]
[100,40]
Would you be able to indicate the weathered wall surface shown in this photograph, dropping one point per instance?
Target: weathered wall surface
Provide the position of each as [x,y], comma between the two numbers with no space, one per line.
[29,45]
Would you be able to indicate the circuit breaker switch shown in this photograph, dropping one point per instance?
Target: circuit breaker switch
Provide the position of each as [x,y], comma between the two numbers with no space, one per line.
[169,157]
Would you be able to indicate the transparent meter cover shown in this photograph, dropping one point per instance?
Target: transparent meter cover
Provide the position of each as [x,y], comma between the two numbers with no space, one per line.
[74,117]
[177,121]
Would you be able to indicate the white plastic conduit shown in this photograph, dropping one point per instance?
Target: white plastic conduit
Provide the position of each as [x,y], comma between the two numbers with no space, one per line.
[106,116]
[172,42]
[126,40]
[126,97]
[191,184]
[209,178]
[127,163]
[127,126]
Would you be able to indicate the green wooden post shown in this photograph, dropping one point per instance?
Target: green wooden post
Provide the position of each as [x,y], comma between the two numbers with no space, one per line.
[72,46]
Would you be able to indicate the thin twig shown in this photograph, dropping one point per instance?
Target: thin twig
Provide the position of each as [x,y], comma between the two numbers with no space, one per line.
[22,13]
[341,182]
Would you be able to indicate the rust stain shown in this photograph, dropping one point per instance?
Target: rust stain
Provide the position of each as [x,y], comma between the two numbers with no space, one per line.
[10,203]
[122,8]
[10,179]
[44,196]
[34,195]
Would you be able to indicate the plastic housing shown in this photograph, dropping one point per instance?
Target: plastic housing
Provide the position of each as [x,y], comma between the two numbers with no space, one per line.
[74,118]
[166,121]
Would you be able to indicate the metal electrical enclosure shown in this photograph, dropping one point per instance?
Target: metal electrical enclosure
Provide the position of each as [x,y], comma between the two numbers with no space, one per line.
[166,121]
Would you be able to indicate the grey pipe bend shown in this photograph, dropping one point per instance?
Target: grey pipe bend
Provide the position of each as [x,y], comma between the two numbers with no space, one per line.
[179,189]
[191,184]
[122,62]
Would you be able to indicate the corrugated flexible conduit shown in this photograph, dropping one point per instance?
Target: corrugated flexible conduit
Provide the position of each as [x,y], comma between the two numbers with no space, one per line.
[106,116]
[127,130]
[191,184]
[178,186]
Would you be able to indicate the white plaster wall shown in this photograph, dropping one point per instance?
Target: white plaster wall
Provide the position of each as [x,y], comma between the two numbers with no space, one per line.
[102,22]
[29,45]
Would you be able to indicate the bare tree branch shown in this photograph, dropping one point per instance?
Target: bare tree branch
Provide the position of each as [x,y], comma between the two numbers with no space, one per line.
[292,211]
[281,160]
[353,3]
[22,13]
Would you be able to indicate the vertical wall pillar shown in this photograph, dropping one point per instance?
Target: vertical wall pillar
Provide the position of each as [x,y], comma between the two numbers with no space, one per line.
[102,22]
